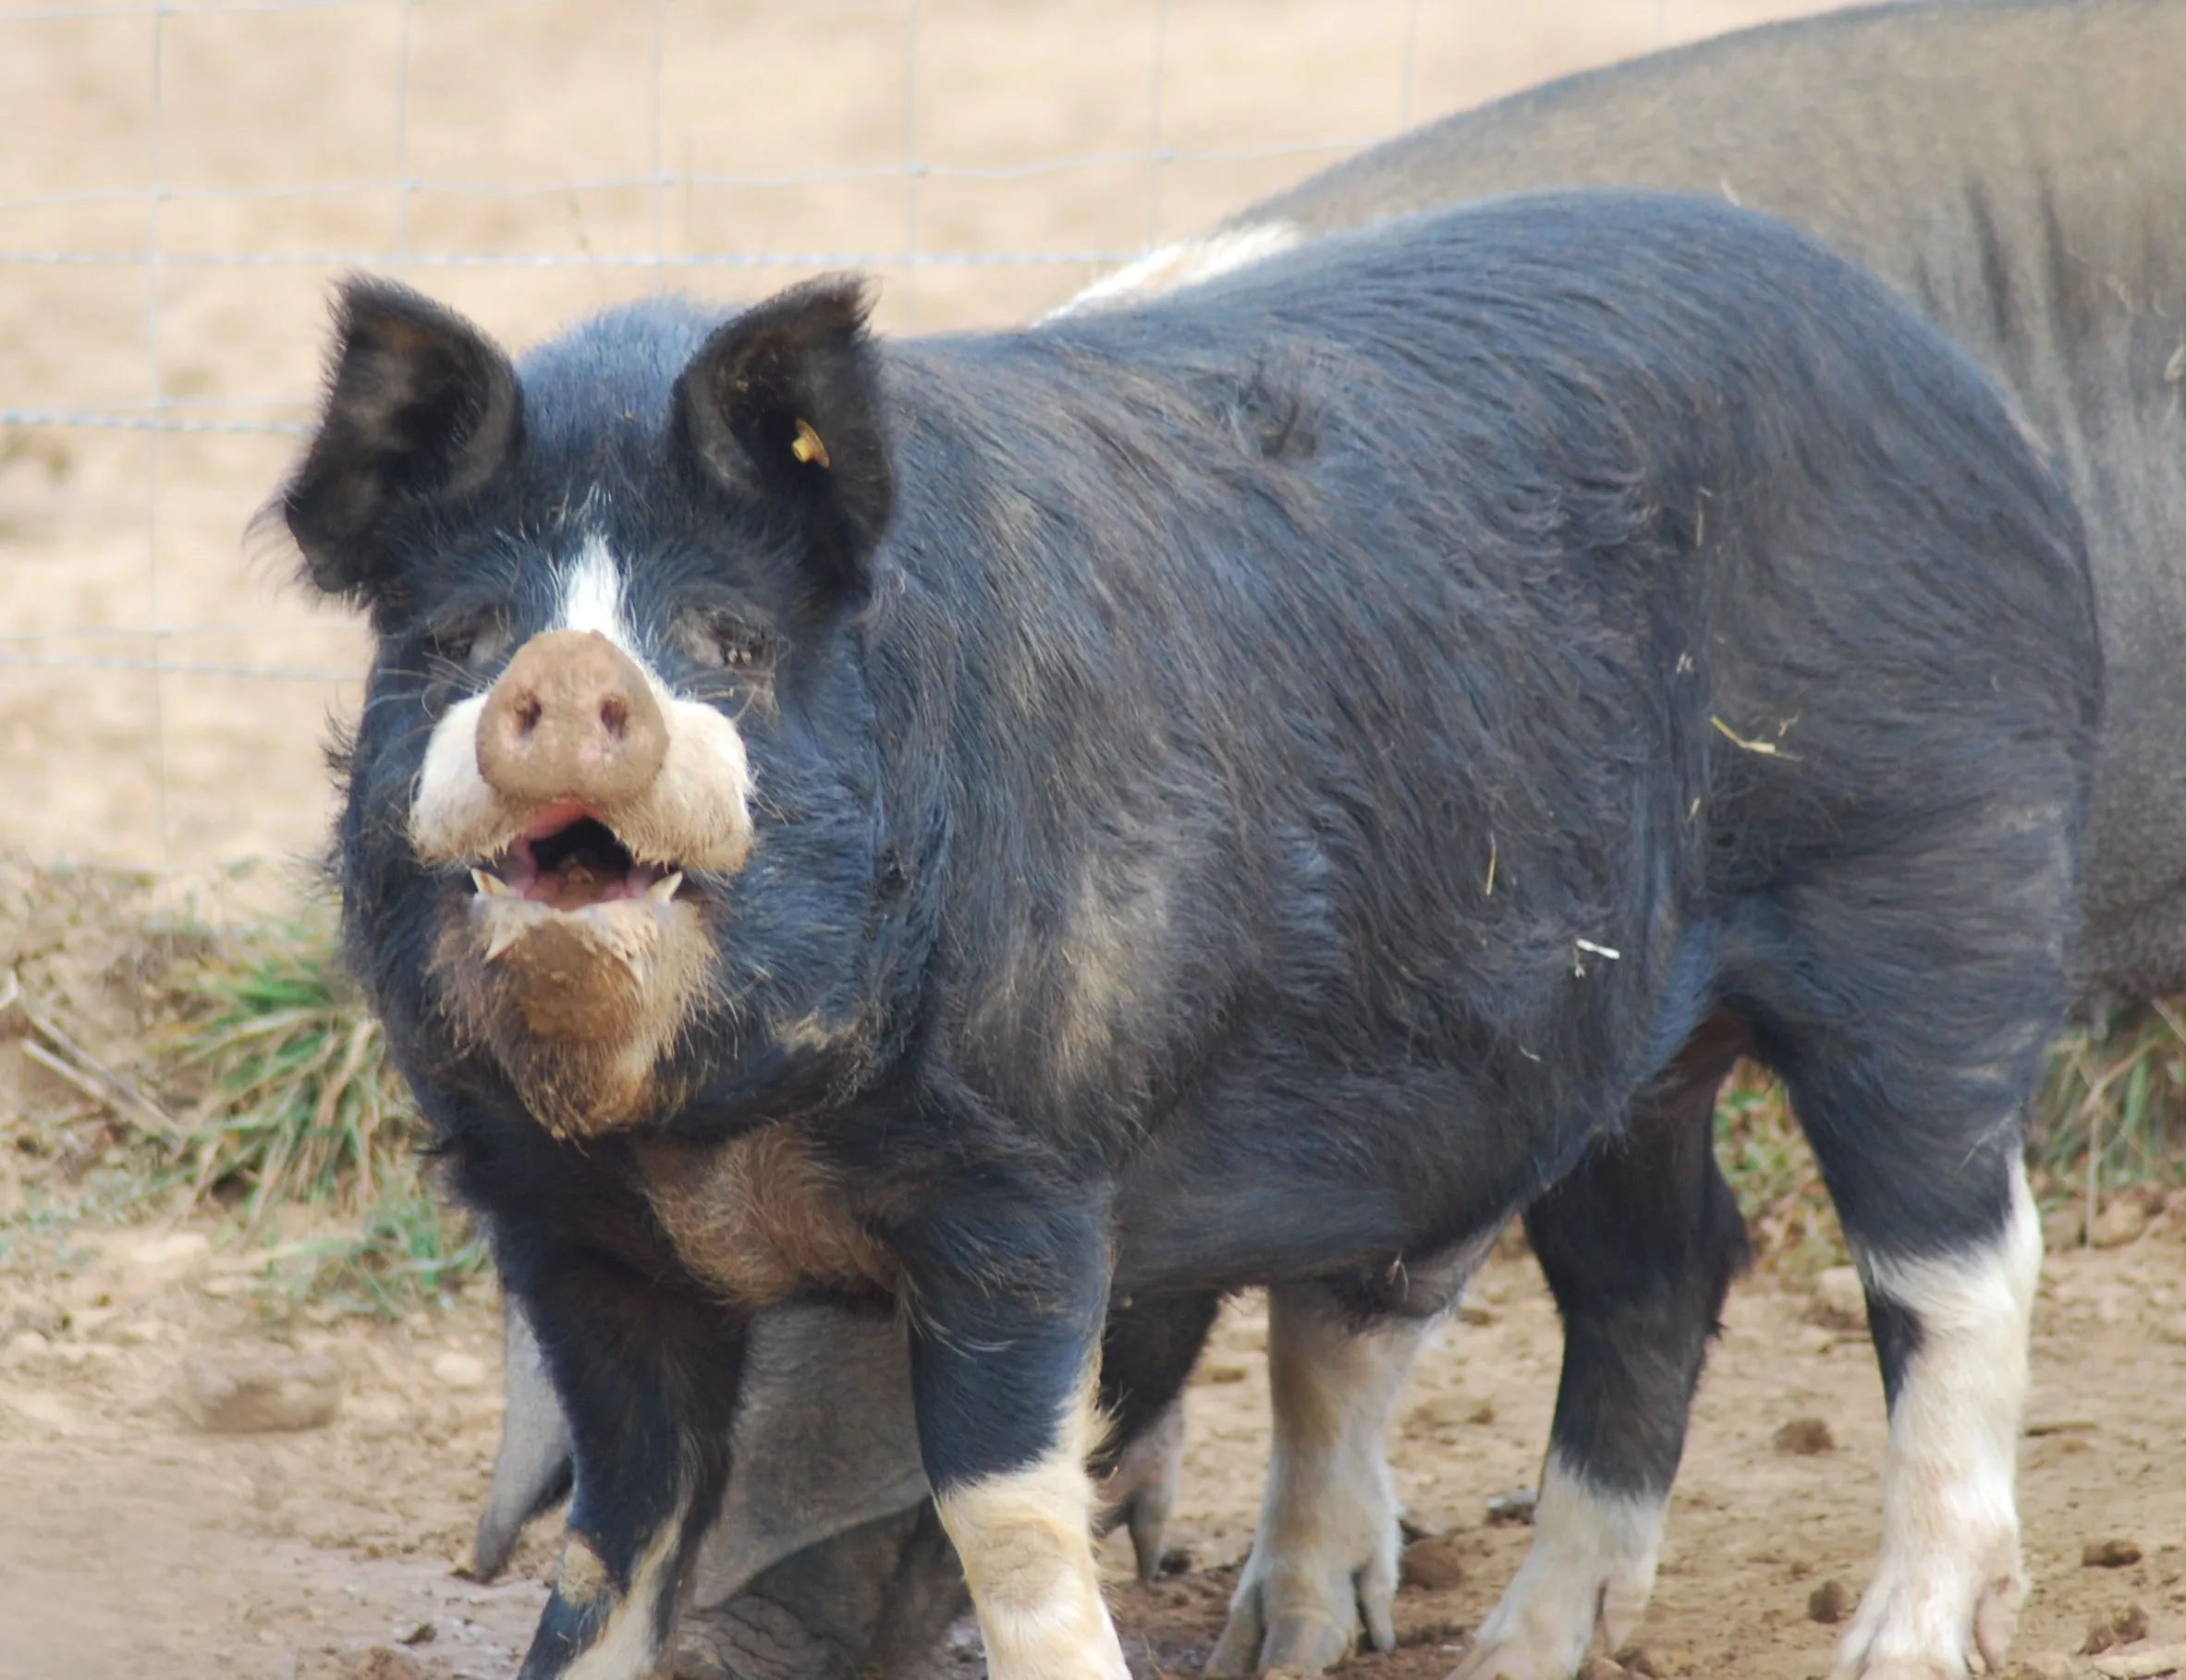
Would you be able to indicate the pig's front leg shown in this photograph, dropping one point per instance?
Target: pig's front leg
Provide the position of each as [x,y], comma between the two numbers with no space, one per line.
[1006,1298]
[648,1382]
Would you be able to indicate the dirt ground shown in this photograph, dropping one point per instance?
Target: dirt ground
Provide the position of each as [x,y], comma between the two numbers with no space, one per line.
[131,1545]
[279,136]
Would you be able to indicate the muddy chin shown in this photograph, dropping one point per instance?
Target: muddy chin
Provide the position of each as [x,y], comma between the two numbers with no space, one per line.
[579,1006]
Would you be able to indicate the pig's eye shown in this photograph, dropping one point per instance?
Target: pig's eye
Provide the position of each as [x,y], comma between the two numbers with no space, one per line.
[721,641]
[475,644]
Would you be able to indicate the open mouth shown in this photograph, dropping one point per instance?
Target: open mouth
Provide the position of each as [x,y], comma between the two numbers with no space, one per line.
[567,858]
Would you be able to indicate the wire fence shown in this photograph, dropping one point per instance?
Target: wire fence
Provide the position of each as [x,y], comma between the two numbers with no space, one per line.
[197,171]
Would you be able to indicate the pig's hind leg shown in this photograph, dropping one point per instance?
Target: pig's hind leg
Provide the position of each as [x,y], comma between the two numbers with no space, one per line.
[1910,1042]
[1324,1557]
[1640,1244]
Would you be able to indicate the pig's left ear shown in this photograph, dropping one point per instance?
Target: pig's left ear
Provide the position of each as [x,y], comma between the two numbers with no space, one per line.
[781,404]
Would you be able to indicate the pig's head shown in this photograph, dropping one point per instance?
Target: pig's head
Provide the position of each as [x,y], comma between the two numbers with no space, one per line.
[611,829]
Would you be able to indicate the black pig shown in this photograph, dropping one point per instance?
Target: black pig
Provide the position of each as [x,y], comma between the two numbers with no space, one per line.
[1251,790]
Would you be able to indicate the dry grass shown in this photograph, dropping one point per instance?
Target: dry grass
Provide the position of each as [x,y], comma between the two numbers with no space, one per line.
[2112,1111]
[298,1104]
[297,1100]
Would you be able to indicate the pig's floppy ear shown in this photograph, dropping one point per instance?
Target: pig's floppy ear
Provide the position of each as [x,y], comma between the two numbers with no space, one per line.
[780,404]
[421,407]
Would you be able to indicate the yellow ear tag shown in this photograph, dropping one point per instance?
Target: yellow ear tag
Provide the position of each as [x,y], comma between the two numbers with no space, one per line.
[806,445]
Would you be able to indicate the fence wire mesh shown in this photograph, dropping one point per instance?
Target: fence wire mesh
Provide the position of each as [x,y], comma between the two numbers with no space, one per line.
[190,175]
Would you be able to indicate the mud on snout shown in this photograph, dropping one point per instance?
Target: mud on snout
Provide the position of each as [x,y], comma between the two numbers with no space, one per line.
[576,792]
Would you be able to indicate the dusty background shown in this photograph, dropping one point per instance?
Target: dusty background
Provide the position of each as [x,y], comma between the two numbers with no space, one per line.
[278,132]
[556,149]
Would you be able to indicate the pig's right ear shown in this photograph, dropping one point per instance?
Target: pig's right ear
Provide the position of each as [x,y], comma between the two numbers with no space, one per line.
[422,407]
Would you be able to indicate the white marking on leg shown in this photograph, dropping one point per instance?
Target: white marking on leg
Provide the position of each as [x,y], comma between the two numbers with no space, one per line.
[1187,263]
[626,1648]
[592,597]
[1590,1568]
[1950,1580]
[1025,1538]
[1326,1548]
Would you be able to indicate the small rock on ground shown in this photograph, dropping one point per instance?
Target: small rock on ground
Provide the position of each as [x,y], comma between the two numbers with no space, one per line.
[2064,1227]
[249,1391]
[2109,1553]
[1515,1507]
[1828,1602]
[1803,1437]
[1433,1564]
[163,1259]
[461,1372]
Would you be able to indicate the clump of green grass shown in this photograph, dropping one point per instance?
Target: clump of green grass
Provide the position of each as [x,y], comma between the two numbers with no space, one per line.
[297,1103]
[1773,1174]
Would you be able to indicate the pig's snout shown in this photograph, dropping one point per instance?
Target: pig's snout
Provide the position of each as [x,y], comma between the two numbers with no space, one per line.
[572,718]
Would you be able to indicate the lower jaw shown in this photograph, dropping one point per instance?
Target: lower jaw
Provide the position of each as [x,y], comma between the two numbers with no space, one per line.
[580,1007]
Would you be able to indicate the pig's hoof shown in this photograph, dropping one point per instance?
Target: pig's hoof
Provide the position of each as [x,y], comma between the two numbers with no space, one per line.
[1543,1626]
[1306,1640]
[1507,1662]
[1140,1494]
[1300,1604]
[1589,1571]
[1936,1617]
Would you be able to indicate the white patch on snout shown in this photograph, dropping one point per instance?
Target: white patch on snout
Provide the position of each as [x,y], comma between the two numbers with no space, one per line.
[1328,1545]
[1025,1538]
[1187,263]
[1590,1567]
[1950,1580]
[454,816]
[697,812]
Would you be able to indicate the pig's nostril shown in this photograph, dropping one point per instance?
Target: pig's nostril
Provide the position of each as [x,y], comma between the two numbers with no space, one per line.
[572,718]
